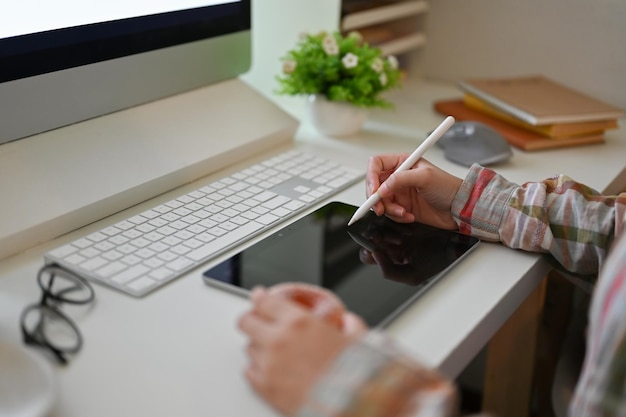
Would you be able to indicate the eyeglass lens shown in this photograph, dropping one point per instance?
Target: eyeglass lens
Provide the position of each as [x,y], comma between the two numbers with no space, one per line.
[51,327]
[63,286]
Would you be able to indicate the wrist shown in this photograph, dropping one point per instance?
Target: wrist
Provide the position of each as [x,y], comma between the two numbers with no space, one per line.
[373,378]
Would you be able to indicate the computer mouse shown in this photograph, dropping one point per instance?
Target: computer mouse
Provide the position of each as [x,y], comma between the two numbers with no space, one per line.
[469,142]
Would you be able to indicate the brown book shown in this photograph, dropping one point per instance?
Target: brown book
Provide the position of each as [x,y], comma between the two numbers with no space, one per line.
[376,35]
[539,100]
[555,130]
[516,136]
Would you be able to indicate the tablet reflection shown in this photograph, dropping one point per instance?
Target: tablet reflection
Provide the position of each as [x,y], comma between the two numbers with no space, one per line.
[406,253]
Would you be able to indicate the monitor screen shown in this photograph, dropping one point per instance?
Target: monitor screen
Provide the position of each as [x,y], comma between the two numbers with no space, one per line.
[67,61]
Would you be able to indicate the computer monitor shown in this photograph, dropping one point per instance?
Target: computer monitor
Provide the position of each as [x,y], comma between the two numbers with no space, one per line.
[65,61]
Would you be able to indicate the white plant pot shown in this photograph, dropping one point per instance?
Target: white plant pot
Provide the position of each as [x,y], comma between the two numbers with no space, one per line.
[335,118]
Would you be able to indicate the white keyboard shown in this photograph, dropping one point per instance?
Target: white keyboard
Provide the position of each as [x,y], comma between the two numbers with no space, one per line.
[145,251]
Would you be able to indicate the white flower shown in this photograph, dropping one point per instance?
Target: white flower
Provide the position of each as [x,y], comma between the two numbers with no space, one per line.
[330,45]
[383,79]
[393,61]
[289,67]
[350,60]
[377,65]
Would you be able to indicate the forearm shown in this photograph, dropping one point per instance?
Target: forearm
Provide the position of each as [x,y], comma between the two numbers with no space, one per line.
[572,222]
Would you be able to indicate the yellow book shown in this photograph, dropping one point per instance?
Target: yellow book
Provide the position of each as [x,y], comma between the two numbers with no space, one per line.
[555,130]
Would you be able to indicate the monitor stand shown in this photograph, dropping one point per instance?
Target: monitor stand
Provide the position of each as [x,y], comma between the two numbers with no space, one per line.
[57,181]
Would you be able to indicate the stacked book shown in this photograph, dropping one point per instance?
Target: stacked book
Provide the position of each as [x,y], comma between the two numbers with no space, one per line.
[533,112]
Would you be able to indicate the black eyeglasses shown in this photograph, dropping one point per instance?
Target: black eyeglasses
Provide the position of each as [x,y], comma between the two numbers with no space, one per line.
[43,324]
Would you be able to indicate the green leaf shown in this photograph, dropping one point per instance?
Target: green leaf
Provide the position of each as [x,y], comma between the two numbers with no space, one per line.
[318,72]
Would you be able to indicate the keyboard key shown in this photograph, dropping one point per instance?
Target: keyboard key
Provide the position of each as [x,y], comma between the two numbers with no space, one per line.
[264,196]
[138,219]
[93,263]
[104,246]
[168,256]
[179,264]
[267,219]
[294,205]
[111,269]
[153,263]
[174,204]
[150,214]
[225,240]
[112,255]
[141,284]
[90,252]
[111,231]
[130,273]
[131,259]
[75,259]
[276,202]
[250,215]
[64,251]
[280,212]
[161,274]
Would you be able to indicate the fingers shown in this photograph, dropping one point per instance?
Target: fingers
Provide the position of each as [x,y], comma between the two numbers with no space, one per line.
[255,354]
[257,379]
[396,191]
[403,193]
[258,329]
[397,211]
[257,323]
[269,313]
[270,307]
[372,182]
[379,168]
[353,325]
[255,376]
[410,179]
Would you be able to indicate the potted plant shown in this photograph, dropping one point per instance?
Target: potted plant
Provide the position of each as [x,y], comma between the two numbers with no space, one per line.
[338,74]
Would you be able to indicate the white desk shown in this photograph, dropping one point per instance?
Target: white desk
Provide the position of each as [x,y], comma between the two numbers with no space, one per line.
[178,352]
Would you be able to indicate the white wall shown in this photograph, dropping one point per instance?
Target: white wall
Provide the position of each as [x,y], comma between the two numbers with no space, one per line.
[276,25]
[578,42]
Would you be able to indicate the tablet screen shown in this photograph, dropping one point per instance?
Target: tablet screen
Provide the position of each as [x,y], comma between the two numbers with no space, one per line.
[376,266]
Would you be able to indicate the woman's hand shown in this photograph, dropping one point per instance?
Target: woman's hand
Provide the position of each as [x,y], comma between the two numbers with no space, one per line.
[423,193]
[289,348]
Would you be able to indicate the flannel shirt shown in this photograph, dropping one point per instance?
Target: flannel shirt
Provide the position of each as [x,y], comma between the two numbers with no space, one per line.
[560,217]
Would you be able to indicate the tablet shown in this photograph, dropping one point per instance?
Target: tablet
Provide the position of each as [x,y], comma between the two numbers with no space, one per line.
[376,266]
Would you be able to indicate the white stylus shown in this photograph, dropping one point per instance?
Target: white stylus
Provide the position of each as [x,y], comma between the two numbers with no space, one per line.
[408,164]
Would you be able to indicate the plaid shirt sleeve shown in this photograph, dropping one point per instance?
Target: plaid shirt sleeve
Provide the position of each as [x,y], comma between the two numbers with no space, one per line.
[601,389]
[557,216]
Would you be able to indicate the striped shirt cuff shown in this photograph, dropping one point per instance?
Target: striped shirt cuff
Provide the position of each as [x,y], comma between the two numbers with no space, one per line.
[481,203]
